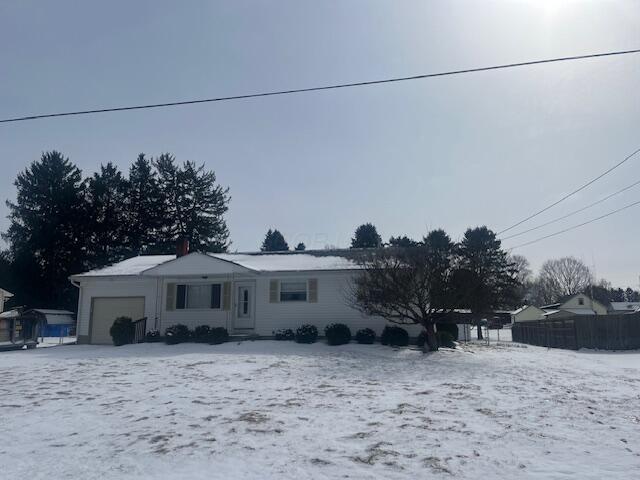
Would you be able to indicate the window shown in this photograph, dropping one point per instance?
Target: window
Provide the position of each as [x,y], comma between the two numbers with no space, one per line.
[580,301]
[198,296]
[293,291]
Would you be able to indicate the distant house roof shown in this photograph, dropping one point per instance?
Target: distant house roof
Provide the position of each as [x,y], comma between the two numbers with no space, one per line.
[257,261]
[5,293]
[625,306]
[523,308]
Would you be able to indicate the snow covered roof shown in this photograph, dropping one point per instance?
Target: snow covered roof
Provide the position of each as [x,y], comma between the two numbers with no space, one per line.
[130,266]
[258,262]
[625,306]
[523,308]
[297,262]
[5,293]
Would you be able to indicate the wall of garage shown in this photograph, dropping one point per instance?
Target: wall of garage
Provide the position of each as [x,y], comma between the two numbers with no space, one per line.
[115,287]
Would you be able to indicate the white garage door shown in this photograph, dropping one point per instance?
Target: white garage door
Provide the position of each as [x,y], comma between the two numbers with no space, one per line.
[104,310]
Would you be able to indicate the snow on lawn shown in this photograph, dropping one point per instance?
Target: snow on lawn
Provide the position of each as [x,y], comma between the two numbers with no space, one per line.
[260,410]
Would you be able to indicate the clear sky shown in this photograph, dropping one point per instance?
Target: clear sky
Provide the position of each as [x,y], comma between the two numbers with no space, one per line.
[453,152]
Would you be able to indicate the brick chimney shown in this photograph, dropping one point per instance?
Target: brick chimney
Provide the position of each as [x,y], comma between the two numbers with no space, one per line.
[182,247]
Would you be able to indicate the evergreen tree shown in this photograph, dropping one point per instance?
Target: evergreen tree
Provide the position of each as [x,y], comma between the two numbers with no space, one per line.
[145,212]
[366,236]
[46,232]
[107,194]
[194,206]
[402,241]
[301,247]
[630,295]
[274,242]
[485,277]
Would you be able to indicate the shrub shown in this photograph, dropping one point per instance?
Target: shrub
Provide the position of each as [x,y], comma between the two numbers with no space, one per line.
[122,331]
[177,334]
[394,336]
[365,336]
[218,335]
[284,334]
[445,339]
[337,334]
[307,334]
[452,328]
[201,334]
[152,336]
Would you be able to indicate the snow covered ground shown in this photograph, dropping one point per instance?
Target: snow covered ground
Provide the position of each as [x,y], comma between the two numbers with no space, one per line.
[263,409]
[55,341]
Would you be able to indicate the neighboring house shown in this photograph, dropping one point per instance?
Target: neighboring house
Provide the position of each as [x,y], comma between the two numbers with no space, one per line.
[527,313]
[578,304]
[4,296]
[624,307]
[254,293]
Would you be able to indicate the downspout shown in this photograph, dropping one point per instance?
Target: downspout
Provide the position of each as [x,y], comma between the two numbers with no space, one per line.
[78,286]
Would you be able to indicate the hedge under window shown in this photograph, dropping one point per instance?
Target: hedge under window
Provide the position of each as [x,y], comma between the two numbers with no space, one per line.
[198,296]
[293,291]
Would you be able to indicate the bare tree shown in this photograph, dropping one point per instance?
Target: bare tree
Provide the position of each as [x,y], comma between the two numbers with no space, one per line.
[408,285]
[522,267]
[562,277]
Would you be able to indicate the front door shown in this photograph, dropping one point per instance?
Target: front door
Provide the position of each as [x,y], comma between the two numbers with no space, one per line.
[245,319]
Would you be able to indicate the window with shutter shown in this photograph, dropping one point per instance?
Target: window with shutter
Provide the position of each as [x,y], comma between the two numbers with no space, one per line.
[313,290]
[273,291]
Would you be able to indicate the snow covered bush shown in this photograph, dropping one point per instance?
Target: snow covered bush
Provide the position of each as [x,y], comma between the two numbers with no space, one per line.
[445,339]
[284,334]
[122,331]
[365,336]
[218,335]
[307,334]
[177,334]
[394,336]
[201,334]
[337,334]
[152,336]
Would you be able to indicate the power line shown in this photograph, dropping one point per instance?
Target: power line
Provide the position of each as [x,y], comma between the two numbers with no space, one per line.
[575,226]
[570,194]
[574,212]
[319,88]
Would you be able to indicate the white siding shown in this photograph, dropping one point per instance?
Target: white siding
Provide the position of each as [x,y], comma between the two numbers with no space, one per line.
[332,306]
[587,303]
[116,287]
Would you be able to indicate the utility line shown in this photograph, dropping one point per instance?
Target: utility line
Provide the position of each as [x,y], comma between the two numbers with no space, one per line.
[574,212]
[575,226]
[570,194]
[318,88]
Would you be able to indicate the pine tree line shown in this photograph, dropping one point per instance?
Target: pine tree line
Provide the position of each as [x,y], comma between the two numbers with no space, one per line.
[62,223]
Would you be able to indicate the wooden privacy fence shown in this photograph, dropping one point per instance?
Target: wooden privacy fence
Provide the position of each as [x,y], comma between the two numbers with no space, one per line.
[606,332]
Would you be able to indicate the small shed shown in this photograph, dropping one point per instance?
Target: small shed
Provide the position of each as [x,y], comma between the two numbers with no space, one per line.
[17,331]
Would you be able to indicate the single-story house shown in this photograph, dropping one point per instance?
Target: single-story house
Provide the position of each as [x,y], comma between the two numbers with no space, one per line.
[624,307]
[247,293]
[527,313]
[578,304]
[4,296]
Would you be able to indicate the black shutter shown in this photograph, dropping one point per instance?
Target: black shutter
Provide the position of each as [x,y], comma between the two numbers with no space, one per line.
[215,295]
[181,296]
